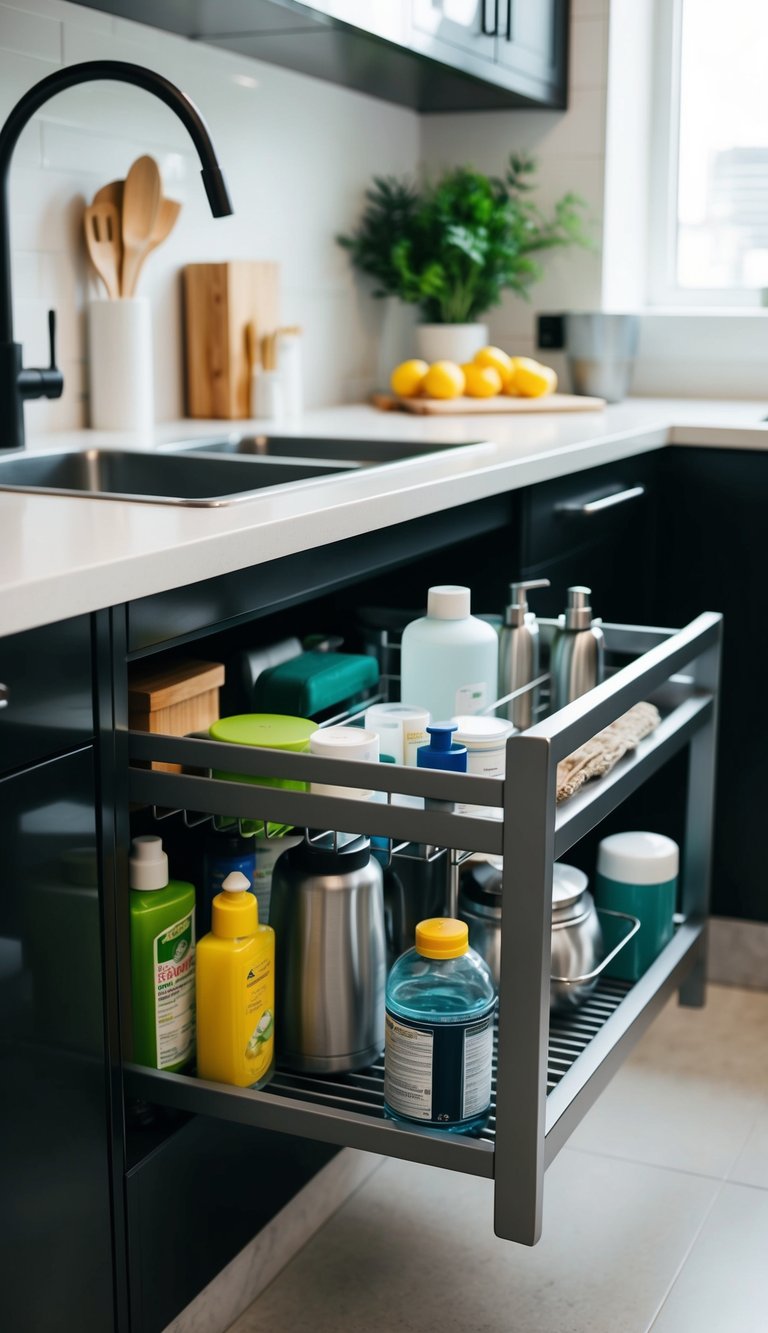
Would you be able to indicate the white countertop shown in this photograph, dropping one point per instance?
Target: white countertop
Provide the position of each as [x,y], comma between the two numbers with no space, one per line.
[62,556]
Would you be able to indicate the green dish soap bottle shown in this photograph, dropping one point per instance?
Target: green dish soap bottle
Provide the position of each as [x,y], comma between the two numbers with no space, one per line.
[162,959]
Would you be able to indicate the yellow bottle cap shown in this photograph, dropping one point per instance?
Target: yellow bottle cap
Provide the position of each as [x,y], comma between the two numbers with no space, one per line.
[442,937]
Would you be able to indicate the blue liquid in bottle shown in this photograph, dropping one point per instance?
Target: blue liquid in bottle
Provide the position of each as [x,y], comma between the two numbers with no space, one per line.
[439,1032]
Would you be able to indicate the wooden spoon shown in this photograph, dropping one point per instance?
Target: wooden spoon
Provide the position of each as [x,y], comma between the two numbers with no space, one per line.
[111,194]
[102,237]
[165,222]
[141,200]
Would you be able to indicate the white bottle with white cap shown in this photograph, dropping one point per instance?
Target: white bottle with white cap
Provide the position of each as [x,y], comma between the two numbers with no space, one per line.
[449,657]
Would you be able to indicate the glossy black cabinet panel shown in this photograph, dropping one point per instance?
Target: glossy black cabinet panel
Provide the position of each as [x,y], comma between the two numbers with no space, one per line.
[55,1210]
[197,1200]
[713,504]
[424,54]
[48,701]
[570,535]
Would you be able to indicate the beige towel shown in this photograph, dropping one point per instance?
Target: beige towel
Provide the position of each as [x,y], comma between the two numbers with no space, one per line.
[605,749]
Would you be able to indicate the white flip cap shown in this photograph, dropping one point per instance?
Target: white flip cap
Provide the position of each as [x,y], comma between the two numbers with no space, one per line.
[638,858]
[148,865]
[236,882]
[449,601]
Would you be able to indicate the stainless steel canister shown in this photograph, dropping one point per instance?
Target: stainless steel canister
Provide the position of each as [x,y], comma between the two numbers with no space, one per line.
[327,911]
[577,941]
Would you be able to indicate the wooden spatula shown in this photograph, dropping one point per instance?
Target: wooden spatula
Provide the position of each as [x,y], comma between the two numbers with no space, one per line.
[102,237]
[165,222]
[141,201]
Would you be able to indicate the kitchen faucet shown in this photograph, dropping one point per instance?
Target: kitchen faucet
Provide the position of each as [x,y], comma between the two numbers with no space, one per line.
[18,383]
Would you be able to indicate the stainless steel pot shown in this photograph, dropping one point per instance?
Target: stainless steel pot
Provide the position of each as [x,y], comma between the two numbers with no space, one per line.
[327,911]
[577,939]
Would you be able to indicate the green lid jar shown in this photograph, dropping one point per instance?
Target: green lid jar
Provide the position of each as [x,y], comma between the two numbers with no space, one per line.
[273,731]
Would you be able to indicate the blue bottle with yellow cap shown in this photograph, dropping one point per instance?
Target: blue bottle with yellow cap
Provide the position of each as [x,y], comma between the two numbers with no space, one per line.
[439,1031]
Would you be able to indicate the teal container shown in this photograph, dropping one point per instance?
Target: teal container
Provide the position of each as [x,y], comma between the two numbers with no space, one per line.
[637,873]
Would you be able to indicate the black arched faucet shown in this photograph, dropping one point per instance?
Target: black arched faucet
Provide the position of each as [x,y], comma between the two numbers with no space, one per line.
[17,383]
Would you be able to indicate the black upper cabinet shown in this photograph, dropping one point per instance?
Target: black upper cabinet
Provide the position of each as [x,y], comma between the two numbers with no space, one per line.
[431,55]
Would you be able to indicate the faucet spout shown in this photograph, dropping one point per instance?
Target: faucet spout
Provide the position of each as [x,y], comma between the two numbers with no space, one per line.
[15,383]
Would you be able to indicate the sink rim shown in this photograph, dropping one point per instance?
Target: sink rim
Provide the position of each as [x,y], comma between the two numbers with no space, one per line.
[93,452]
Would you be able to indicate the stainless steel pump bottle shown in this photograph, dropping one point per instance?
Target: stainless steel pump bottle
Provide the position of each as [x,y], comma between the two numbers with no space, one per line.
[519,654]
[578,650]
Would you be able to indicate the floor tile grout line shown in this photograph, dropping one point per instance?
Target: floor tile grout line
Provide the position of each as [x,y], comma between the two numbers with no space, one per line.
[687,1255]
[656,1166]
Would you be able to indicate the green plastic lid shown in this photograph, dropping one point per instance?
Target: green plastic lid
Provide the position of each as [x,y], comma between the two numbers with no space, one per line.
[273,730]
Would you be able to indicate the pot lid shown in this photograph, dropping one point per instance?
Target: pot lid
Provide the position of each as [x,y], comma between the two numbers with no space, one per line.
[480,880]
[568,886]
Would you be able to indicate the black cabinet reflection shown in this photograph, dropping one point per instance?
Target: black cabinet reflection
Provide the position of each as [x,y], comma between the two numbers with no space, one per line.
[55,1224]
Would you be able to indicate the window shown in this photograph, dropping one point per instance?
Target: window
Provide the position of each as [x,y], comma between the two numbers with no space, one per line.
[709,182]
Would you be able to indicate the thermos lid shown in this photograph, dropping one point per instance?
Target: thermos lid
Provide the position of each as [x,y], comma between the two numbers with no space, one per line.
[320,858]
[638,858]
[442,937]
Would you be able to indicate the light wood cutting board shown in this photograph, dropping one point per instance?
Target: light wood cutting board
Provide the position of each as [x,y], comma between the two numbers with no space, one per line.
[439,407]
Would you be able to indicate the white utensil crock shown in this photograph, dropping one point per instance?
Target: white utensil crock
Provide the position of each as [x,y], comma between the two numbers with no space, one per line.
[120,364]
[450,342]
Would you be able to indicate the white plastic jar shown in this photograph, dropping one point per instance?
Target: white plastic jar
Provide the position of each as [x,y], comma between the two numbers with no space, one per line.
[486,741]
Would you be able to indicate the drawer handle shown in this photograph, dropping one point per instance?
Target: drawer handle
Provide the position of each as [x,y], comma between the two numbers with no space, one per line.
[605,502]
[4,692]
[487,30]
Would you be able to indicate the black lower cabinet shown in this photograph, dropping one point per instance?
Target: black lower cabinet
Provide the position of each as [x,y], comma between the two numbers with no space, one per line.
[56,1264]
[196,1200]
[711,556]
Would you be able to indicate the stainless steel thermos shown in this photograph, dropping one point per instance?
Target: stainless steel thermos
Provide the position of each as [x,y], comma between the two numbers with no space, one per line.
[327,911]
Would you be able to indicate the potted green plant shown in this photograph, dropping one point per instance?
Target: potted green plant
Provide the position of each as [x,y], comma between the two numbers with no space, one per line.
[453,246]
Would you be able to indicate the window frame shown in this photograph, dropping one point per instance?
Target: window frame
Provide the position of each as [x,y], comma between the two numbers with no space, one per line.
[663,289]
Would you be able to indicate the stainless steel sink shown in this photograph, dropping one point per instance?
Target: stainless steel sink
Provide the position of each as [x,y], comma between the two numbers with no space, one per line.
[327,449]
[177,478]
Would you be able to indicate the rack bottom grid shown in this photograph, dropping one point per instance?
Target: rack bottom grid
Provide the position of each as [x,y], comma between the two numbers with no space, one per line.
[363,1092]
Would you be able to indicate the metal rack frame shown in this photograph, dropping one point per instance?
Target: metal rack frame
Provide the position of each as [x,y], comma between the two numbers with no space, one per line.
[548,1075]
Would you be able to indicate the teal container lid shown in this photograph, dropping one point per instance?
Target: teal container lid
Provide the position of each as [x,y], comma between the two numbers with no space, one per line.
[275,731]
[315,681]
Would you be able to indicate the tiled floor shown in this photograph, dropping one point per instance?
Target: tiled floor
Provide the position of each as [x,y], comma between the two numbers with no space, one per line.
[655,1215]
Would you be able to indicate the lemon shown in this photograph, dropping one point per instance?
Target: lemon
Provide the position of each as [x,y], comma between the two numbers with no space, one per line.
[531,379]
[481,381]
[493,356]
[407,378]
[444,379]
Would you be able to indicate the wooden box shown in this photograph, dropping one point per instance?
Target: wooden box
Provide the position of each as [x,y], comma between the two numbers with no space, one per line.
[174,699]
[220,301]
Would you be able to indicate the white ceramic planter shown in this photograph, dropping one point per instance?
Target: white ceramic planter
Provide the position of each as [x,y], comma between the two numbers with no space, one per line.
[450,342]
[120,365]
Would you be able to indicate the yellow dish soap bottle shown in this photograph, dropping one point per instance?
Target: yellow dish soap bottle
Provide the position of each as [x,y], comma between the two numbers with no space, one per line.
[236,990]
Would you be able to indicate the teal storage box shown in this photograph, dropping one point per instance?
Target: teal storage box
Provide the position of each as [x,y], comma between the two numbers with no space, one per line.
[637,873]
[314,682]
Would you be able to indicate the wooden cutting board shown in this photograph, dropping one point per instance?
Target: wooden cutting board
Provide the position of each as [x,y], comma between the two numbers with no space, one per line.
[441,407]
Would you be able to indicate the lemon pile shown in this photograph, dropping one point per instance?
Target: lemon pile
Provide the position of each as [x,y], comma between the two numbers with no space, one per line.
[491,372]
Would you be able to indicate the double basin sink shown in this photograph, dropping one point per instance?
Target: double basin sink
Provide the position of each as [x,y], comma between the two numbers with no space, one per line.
[198,473]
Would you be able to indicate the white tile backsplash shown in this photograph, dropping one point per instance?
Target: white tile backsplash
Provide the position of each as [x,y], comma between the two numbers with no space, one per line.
[297,154]
[30,34]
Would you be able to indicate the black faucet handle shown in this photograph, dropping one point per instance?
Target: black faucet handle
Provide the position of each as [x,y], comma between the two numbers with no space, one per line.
[48,382]
[52,339]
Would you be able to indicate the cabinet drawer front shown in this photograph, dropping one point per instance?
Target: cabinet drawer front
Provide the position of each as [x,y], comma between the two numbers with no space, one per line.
[48,696]
[586,509]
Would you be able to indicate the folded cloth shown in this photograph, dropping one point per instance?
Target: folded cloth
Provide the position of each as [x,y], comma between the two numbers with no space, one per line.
[599,755]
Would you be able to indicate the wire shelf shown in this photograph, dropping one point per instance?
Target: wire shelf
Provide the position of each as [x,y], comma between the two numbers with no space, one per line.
[363,1092]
